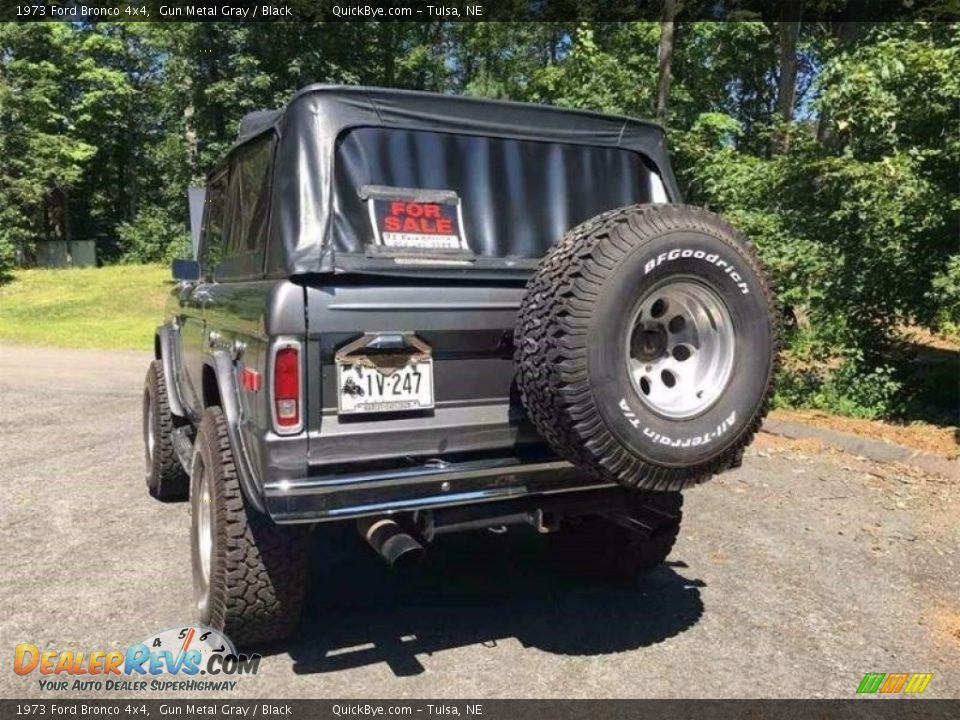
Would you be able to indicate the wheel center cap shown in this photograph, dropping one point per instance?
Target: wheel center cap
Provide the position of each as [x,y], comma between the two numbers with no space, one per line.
[649,341]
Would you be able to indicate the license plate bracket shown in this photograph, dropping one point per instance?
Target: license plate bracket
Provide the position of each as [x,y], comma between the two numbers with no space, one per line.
[383,374]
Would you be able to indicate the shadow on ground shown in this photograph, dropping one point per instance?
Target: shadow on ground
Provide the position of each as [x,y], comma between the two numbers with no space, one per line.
[475,589]
[930,384]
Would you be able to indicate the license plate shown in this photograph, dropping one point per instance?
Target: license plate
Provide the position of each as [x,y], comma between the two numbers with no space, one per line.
[366,389]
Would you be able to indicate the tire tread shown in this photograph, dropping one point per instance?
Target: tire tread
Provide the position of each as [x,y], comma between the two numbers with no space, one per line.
[166,479]
[260,570]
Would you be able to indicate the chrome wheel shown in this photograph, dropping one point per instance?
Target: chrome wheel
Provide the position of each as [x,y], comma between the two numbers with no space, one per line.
[203,532]
[680,348]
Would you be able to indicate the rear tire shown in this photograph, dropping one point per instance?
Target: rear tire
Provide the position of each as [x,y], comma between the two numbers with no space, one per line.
[604,548]
[166,479]
[646,344]
[249,574]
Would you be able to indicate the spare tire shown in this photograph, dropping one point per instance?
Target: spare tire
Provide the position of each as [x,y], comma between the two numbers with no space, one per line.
[646,346]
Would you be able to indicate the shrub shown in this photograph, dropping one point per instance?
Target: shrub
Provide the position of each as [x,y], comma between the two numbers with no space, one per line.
[6,259]
[946,294]
[846,386]
[152,237]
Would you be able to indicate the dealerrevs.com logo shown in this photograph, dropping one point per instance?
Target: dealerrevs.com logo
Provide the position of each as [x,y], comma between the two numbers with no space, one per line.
[193,658]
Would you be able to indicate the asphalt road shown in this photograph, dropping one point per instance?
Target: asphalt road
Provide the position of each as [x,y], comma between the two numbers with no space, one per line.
[794,575]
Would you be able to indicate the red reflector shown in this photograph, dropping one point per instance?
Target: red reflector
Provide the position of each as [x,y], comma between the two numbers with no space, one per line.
[250,379]
[286,387]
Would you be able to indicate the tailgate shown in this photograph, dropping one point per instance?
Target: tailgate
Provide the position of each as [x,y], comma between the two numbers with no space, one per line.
[468,329]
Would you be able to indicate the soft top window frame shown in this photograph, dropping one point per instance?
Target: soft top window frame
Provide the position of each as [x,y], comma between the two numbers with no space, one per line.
[302,200]
[362,260]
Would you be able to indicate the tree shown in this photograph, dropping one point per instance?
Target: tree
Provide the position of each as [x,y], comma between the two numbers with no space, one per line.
[665,56]
[787,81]
[44,155]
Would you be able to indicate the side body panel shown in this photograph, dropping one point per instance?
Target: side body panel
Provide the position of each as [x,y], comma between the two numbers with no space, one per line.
[243,318]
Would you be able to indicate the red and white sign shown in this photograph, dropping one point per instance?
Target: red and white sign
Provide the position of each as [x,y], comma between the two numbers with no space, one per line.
[417,223]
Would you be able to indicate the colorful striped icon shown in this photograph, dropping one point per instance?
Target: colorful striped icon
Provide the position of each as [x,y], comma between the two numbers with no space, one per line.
[894,683]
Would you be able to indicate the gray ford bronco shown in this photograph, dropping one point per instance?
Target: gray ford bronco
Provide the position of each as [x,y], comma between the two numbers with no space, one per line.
[426,314]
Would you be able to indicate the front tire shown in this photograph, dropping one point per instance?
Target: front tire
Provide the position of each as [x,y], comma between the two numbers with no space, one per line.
[249,574]
[166,479]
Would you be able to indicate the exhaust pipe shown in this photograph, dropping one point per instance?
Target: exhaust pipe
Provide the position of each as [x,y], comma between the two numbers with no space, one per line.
[390,541]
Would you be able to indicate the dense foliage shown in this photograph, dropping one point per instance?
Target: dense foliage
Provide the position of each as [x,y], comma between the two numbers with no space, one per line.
[838,153]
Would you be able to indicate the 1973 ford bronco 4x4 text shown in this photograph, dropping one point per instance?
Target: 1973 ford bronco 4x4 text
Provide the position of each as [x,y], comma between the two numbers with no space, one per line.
[425,314]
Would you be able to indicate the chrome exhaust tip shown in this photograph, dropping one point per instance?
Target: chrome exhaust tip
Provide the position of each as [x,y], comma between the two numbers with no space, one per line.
[397,547]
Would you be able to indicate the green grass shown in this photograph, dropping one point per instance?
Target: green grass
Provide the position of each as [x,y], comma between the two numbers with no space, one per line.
[110,307]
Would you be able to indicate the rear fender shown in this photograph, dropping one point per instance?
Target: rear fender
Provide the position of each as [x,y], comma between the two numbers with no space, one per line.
[223,366]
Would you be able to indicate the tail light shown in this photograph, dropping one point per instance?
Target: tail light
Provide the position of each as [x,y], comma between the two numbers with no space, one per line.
[287,400]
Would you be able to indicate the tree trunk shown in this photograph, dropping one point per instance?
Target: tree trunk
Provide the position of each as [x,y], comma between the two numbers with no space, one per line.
[787,84]
[190,138]
[786,90]
[665,56]
[65,210]
[46,218]
[388,47]
[844,32]
[55,207]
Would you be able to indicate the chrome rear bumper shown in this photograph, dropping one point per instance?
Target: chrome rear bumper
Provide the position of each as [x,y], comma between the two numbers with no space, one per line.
[431,485]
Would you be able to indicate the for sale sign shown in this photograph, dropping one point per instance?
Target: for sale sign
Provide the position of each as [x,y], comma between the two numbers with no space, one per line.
[415,219]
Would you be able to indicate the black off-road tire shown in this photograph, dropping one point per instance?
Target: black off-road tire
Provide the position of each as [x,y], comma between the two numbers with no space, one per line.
[259,571]
[166,479]
[605,548]
[572,372]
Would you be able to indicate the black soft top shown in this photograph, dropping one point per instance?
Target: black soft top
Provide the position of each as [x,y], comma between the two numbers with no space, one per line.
[307,197]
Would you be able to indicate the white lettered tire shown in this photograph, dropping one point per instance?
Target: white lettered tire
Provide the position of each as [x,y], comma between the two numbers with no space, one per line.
[646,346]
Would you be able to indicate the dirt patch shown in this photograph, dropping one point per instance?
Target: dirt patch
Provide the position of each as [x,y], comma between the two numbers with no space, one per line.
[765,444]
[946,624]
[934,439]
[922,336]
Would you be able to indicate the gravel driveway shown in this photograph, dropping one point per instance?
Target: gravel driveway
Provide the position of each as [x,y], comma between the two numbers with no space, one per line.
[794,575]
